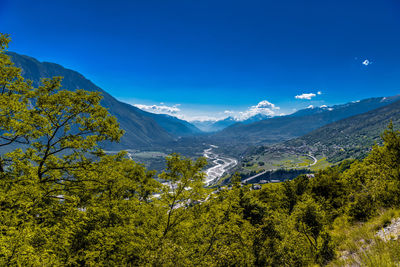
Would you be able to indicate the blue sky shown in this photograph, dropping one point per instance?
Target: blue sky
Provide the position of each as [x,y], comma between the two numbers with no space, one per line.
[202,58]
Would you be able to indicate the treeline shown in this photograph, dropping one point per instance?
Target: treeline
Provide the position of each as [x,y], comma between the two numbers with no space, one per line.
[64,202]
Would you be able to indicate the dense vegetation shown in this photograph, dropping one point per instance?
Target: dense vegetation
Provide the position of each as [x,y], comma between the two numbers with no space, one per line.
[65,202]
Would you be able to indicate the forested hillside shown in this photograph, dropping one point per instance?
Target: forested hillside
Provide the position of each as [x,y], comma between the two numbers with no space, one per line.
[351,137]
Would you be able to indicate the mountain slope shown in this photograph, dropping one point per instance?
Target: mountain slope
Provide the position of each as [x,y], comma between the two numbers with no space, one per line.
[142,129]
[175,126]
[283,128]
[351,137]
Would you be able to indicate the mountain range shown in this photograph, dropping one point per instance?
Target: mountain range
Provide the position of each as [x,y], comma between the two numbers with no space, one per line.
[351,137]
[142,129]
[278,129]
[215,126]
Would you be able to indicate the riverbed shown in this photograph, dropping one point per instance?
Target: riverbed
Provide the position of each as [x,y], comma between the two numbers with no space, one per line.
[222,164]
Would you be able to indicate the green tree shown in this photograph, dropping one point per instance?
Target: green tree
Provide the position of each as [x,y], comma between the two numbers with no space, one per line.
[309,220]
[225,233]
[14,103]
[52,134]
[374,182]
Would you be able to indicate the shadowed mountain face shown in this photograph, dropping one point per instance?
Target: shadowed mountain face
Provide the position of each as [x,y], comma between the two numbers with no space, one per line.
[283,128]
[174,125]
[142,129]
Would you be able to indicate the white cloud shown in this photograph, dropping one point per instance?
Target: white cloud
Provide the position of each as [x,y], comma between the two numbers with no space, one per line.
[323,106]
[159,109]
[266,104]
[264,107]
[183,113]
[319,93]
[366,62]
[305,96]
[310,106]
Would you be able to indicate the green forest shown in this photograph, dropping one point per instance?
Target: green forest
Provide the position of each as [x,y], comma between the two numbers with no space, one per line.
[64,202]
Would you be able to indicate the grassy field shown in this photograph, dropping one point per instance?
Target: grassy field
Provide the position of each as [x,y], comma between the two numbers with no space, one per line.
[153,160]
[322,163]
[358,245]
[270,161]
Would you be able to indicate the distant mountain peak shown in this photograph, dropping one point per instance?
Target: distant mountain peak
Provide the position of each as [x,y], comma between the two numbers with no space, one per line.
[215,126]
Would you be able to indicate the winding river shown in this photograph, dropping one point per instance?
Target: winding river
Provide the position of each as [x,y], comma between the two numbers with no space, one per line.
[222,165]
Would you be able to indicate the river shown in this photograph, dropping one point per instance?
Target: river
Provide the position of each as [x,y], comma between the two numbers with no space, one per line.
[222,165]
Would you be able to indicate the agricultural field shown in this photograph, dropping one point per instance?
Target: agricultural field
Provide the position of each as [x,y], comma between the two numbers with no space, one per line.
[272,161]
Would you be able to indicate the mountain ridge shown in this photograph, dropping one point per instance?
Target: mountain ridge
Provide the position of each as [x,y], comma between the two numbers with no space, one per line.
[142,129]
[350,137]
[279,129]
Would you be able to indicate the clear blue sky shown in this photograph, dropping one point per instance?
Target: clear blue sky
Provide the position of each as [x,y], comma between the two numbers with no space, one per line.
[212,56]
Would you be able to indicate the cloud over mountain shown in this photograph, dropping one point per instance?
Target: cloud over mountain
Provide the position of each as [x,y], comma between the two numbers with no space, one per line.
[264,107]
[159,109]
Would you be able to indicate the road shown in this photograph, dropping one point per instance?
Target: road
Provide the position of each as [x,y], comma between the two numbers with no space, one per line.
[222,165]
[255,176]
[314,158]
